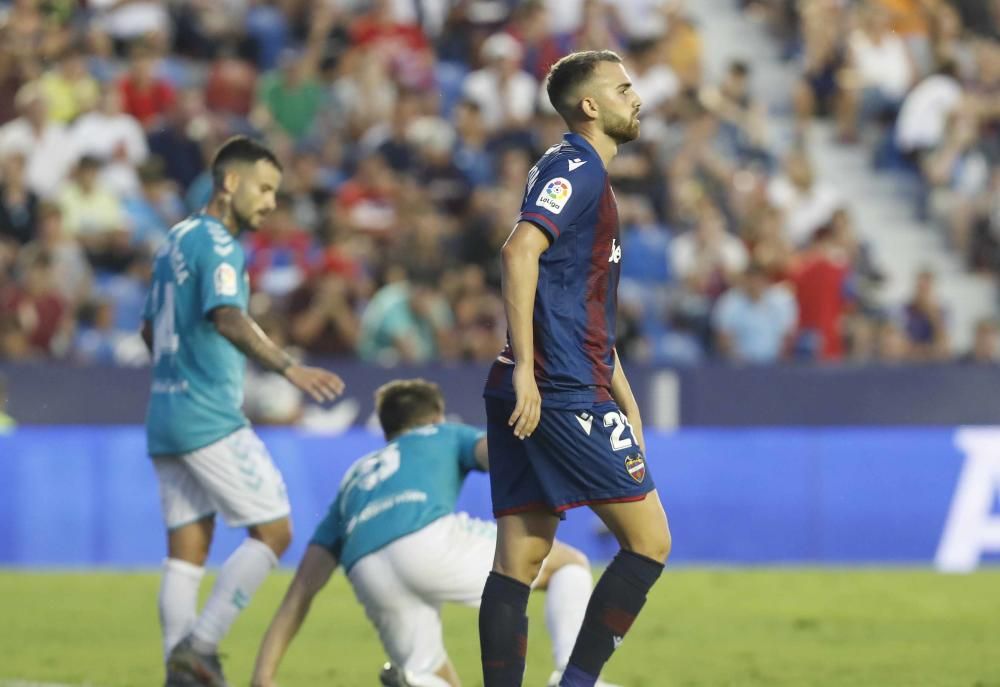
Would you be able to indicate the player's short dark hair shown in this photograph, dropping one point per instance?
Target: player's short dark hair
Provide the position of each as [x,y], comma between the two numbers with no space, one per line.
[571,71]
[239,150]
[406,403]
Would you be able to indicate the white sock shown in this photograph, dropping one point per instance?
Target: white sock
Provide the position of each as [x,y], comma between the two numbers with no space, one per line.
[178,600]
[565,605]
[240,576]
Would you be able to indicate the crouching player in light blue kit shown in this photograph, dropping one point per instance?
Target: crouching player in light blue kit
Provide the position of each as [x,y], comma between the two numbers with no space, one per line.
[405,550]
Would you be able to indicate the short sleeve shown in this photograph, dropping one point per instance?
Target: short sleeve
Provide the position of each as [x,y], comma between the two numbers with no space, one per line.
[467,437]
[328,532]
[560,194]
[220,273]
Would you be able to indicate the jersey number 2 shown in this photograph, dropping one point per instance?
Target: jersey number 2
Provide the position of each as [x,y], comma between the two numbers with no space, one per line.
[619,422]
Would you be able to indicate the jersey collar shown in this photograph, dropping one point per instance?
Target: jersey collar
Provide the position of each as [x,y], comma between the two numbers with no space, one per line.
[579,141]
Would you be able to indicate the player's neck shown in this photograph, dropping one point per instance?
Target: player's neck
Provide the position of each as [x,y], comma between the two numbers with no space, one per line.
[221,210]
[603,144]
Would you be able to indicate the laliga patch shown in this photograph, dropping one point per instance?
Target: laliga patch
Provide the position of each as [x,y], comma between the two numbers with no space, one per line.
[226,281]
[635,466]
[555,195]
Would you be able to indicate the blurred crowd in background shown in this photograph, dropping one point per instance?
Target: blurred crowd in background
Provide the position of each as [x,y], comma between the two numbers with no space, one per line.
[407,129]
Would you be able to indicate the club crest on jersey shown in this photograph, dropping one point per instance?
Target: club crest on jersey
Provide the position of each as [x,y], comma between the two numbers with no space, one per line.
[635,466]
[555,195]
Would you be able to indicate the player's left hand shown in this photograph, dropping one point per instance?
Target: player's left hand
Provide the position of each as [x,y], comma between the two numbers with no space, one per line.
[528,408]
[321,384]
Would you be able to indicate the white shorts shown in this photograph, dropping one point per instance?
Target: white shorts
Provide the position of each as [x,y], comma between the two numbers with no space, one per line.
[234,477]
[403,585]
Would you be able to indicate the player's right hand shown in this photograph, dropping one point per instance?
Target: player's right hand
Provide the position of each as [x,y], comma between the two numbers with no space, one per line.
[528,409]
[321,384]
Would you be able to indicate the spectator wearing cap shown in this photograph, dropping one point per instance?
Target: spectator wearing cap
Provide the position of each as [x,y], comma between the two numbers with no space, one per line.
[444,183]
[504,92]
[46,145]
[754,320]
[406,322]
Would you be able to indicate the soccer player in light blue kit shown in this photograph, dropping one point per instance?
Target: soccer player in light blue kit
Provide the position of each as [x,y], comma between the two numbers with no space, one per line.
[405,550]
[207,458]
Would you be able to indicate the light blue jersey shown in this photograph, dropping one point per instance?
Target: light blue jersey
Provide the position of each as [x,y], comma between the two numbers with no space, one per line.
[197,391]
[398,490]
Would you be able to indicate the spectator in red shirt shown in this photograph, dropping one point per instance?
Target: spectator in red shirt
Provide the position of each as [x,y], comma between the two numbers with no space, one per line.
[38,308]
[278,255]
[404,46]
[820,279]
[146,96]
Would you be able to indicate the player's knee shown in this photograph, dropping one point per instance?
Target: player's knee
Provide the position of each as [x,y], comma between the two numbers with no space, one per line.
[652,544]
[523,568]
[276,535]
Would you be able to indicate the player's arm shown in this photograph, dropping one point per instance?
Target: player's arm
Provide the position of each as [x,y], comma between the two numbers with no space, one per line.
[235,325]
[315,569]
[519,259]
[482,455]
[147,334]
[621,391]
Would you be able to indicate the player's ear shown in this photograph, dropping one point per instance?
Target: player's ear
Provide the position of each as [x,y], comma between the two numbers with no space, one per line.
[589,107]
[230,181]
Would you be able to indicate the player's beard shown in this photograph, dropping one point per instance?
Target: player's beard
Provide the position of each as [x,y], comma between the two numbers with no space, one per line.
[620,129]
[243,222]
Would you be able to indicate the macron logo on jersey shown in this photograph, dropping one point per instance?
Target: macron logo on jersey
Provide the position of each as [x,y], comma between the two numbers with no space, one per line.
[576,164]
[616,252]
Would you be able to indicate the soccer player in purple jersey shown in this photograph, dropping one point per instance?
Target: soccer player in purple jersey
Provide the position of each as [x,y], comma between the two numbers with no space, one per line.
[563,427]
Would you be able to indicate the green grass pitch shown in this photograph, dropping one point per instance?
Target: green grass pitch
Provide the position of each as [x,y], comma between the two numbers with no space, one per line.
[701,627]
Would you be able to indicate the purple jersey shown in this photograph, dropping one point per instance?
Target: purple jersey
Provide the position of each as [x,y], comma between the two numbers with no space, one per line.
[569,197]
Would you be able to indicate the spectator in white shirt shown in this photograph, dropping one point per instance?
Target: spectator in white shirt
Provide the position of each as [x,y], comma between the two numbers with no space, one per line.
[504,92]
[921,123]
[807,204]
[707,258]
[654,81]
[45,145]
[115,137]
[878,73]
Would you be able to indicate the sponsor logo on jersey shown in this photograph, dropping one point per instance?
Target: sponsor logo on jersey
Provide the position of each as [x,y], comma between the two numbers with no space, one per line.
[555,195]
[226,280]
[576,164]
[616,252]
[635,466]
